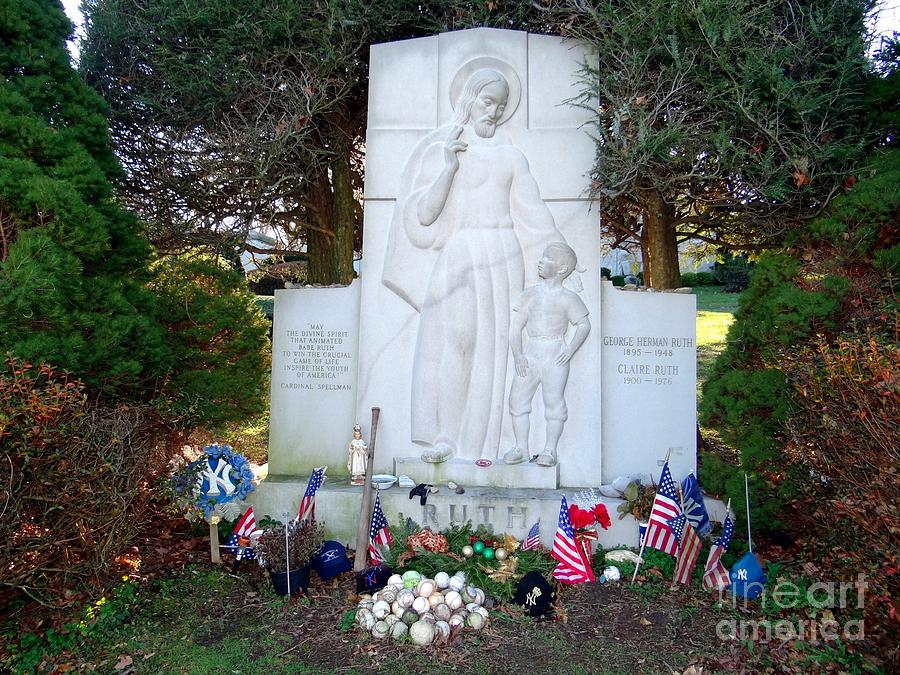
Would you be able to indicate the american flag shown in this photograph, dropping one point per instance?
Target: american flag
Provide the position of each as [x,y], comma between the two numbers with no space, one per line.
[240,537]
[573,567]
[688,548]
[379,534]
[659,534]
[715,576]
[308,503]
[533,540]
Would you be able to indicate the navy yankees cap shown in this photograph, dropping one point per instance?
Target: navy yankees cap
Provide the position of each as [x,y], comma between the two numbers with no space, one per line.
[331,560]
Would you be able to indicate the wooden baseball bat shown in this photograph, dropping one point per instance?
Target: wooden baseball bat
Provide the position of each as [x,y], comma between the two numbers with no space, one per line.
[365,510]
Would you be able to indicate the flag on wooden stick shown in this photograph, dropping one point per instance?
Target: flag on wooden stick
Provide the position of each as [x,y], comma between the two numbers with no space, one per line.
[379,534]
[715,576]
[308,503]
[688,548]
[574,566]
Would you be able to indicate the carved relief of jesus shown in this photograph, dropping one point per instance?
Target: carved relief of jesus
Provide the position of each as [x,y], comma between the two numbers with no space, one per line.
[468,205]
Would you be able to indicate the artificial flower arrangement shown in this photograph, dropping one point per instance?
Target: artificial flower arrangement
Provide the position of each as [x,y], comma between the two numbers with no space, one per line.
[582,520]
[584,525]
[221,499]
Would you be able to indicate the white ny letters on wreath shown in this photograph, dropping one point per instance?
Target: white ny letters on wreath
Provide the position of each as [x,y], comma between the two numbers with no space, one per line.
[218,477]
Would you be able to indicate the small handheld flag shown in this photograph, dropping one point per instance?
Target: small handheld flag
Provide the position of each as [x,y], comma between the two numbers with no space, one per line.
[715,576]
[659,534]
[239,540]
[573,567]
[379,534]
[308,503]
[688,549]
[533,539]
[694,507]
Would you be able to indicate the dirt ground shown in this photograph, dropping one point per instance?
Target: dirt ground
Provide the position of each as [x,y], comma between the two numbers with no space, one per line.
[597,629]
[182,614]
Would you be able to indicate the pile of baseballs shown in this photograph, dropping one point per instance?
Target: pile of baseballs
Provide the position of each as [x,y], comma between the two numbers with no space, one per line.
[424,610]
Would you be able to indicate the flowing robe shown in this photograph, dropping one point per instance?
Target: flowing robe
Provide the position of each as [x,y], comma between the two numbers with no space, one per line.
[493,227]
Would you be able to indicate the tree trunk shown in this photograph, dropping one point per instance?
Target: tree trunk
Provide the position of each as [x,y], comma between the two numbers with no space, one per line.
[344,218]
[320,240]
[329,245]
[658,244]
[646,260]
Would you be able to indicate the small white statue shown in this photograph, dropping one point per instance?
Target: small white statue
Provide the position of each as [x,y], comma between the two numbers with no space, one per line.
[357,457]
[544,312]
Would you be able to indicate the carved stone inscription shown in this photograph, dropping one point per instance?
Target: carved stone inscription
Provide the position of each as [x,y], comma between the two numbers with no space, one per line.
[649,360]
[495,517]
[317,358]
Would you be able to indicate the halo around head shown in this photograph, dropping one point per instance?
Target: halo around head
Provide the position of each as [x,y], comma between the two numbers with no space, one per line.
[502,67]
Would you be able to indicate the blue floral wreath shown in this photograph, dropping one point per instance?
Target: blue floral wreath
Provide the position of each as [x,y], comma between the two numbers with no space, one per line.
[191,484]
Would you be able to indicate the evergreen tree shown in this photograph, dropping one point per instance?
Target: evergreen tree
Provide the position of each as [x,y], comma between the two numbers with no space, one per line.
[72,261]
[240,113]
[729,123]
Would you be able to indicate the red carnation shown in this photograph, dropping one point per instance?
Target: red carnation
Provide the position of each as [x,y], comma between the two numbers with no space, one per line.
[601,515]
[580,518]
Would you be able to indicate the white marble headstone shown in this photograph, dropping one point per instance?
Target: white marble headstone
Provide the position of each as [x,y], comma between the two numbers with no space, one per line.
[649,383]
[315,342]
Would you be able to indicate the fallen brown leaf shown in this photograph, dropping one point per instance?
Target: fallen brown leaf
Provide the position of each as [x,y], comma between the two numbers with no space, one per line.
[123,662]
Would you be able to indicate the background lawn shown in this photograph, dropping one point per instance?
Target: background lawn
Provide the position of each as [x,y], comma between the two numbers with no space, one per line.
[715,314]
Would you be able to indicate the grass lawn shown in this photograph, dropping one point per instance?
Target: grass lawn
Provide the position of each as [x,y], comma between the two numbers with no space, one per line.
[715,314]
[199,619]
[193,617]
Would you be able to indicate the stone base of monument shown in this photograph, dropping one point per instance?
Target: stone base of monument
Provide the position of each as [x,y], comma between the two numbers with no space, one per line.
[512,510]
[467,473]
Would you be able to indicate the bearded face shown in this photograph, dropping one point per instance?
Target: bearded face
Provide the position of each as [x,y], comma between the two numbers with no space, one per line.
[487,109]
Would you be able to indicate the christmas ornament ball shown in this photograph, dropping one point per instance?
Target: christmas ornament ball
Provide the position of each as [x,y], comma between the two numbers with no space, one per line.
[488,553]
[468,552]
[478,546]
[501,554]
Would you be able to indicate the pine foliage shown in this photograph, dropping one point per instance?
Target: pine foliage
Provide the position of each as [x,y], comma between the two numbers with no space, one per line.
[72,261]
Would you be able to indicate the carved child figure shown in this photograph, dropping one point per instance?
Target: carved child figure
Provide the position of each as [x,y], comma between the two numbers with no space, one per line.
[357,457]
[544,312]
